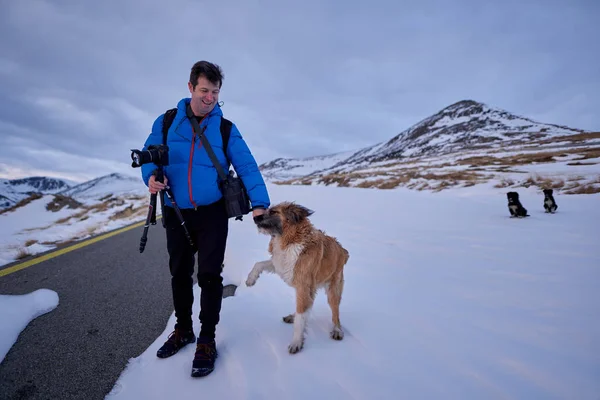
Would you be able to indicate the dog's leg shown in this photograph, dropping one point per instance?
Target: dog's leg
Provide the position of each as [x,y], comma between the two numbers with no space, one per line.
[258,268]
[304,301]
[334,297]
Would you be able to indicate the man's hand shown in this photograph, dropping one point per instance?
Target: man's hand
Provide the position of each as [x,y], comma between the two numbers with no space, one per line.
[258,211]
[154,186]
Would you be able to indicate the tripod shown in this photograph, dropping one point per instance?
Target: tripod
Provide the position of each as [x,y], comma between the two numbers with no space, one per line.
[151,217]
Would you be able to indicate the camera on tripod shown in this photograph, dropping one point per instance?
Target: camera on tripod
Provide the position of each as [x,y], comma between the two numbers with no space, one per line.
[157,154]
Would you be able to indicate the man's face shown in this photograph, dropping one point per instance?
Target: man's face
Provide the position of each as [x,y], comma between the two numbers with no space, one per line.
[204,96]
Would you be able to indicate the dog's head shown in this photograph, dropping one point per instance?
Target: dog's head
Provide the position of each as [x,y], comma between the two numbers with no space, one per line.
[277,219]
[548,192]
[513,197]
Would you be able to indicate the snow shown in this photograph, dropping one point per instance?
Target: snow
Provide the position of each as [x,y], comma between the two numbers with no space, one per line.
[24,230]
[297,167]
[116,184]
[441,139]
[16,311]
[445,297]
[447,120]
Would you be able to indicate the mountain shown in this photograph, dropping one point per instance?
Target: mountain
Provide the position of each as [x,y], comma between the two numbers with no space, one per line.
[289,168]
[14,190]
[465,125]
[114,184]
[38,184]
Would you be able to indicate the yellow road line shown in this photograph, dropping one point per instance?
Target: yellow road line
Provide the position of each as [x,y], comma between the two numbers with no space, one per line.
[26,264]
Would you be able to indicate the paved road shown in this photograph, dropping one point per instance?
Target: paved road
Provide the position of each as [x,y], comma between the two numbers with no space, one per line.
[113,303]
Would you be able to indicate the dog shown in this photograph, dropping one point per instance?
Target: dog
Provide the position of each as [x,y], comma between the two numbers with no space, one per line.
[306,259]
[515,207]
[549,203]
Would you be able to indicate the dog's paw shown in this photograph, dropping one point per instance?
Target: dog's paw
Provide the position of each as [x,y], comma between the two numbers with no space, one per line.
[288,319]
[250,281]
[337,334]
[295,346]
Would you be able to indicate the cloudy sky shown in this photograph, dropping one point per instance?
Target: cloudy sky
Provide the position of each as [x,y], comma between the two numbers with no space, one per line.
[81,82]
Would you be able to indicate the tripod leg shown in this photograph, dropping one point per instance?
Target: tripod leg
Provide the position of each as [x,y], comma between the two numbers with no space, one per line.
[153,209]
[162,208]
[180,216]
[149,218]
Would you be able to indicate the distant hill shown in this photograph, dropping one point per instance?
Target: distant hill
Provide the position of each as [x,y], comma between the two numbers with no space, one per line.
[466,143]
[14,190]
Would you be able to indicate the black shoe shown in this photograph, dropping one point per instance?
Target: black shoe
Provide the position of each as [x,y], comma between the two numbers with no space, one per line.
[178,339]
[204,359]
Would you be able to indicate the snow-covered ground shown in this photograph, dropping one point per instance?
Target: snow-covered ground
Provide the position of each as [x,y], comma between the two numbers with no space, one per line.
[17,311]
[32,229]
[445,297]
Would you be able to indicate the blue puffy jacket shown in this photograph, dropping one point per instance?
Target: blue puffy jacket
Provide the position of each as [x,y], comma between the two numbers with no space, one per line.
[191,175]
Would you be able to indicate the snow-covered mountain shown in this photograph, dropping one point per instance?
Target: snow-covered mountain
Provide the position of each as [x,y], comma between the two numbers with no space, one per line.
[114,184]
[465,125]
[39,184]
[460,126]
[14,190]
[289,168]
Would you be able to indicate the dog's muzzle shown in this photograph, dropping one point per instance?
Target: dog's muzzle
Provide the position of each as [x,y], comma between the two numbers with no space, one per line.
[268,225]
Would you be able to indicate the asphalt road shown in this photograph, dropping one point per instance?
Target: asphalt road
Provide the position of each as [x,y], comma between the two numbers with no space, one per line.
[113,303]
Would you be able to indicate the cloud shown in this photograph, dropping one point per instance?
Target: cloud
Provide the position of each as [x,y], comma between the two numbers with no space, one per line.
[84,82]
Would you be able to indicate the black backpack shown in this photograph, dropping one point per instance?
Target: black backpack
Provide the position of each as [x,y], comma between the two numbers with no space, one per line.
[225,128]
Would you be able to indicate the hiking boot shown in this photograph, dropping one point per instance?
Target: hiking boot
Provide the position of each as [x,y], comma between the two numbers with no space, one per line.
[204,359]
[178,339]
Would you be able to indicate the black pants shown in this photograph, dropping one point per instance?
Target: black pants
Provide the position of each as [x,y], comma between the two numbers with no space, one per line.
[208,227]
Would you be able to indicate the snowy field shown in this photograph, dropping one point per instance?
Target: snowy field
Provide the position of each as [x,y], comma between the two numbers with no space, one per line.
[445,297]
[32,229]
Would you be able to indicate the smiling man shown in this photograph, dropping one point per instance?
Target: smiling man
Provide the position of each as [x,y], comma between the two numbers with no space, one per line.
[194,182]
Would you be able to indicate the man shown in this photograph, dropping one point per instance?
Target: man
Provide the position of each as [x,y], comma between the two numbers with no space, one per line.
[193,180]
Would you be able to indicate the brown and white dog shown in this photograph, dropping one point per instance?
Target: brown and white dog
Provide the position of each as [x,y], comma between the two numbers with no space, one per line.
[306,259]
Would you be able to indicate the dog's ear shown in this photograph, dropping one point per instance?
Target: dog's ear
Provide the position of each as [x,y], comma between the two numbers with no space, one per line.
[296,213]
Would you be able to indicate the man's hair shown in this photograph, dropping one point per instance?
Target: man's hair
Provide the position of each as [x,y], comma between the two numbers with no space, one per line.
[210,71]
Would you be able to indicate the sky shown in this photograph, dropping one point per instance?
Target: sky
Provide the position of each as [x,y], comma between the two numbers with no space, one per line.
[82,82]
[470,305]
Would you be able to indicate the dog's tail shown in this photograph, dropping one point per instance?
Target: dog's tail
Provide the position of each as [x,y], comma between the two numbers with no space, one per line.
[346,255]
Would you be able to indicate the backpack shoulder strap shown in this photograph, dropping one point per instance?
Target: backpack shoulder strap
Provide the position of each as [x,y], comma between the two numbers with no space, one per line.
[167,121]
[226,126]
[225,133]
